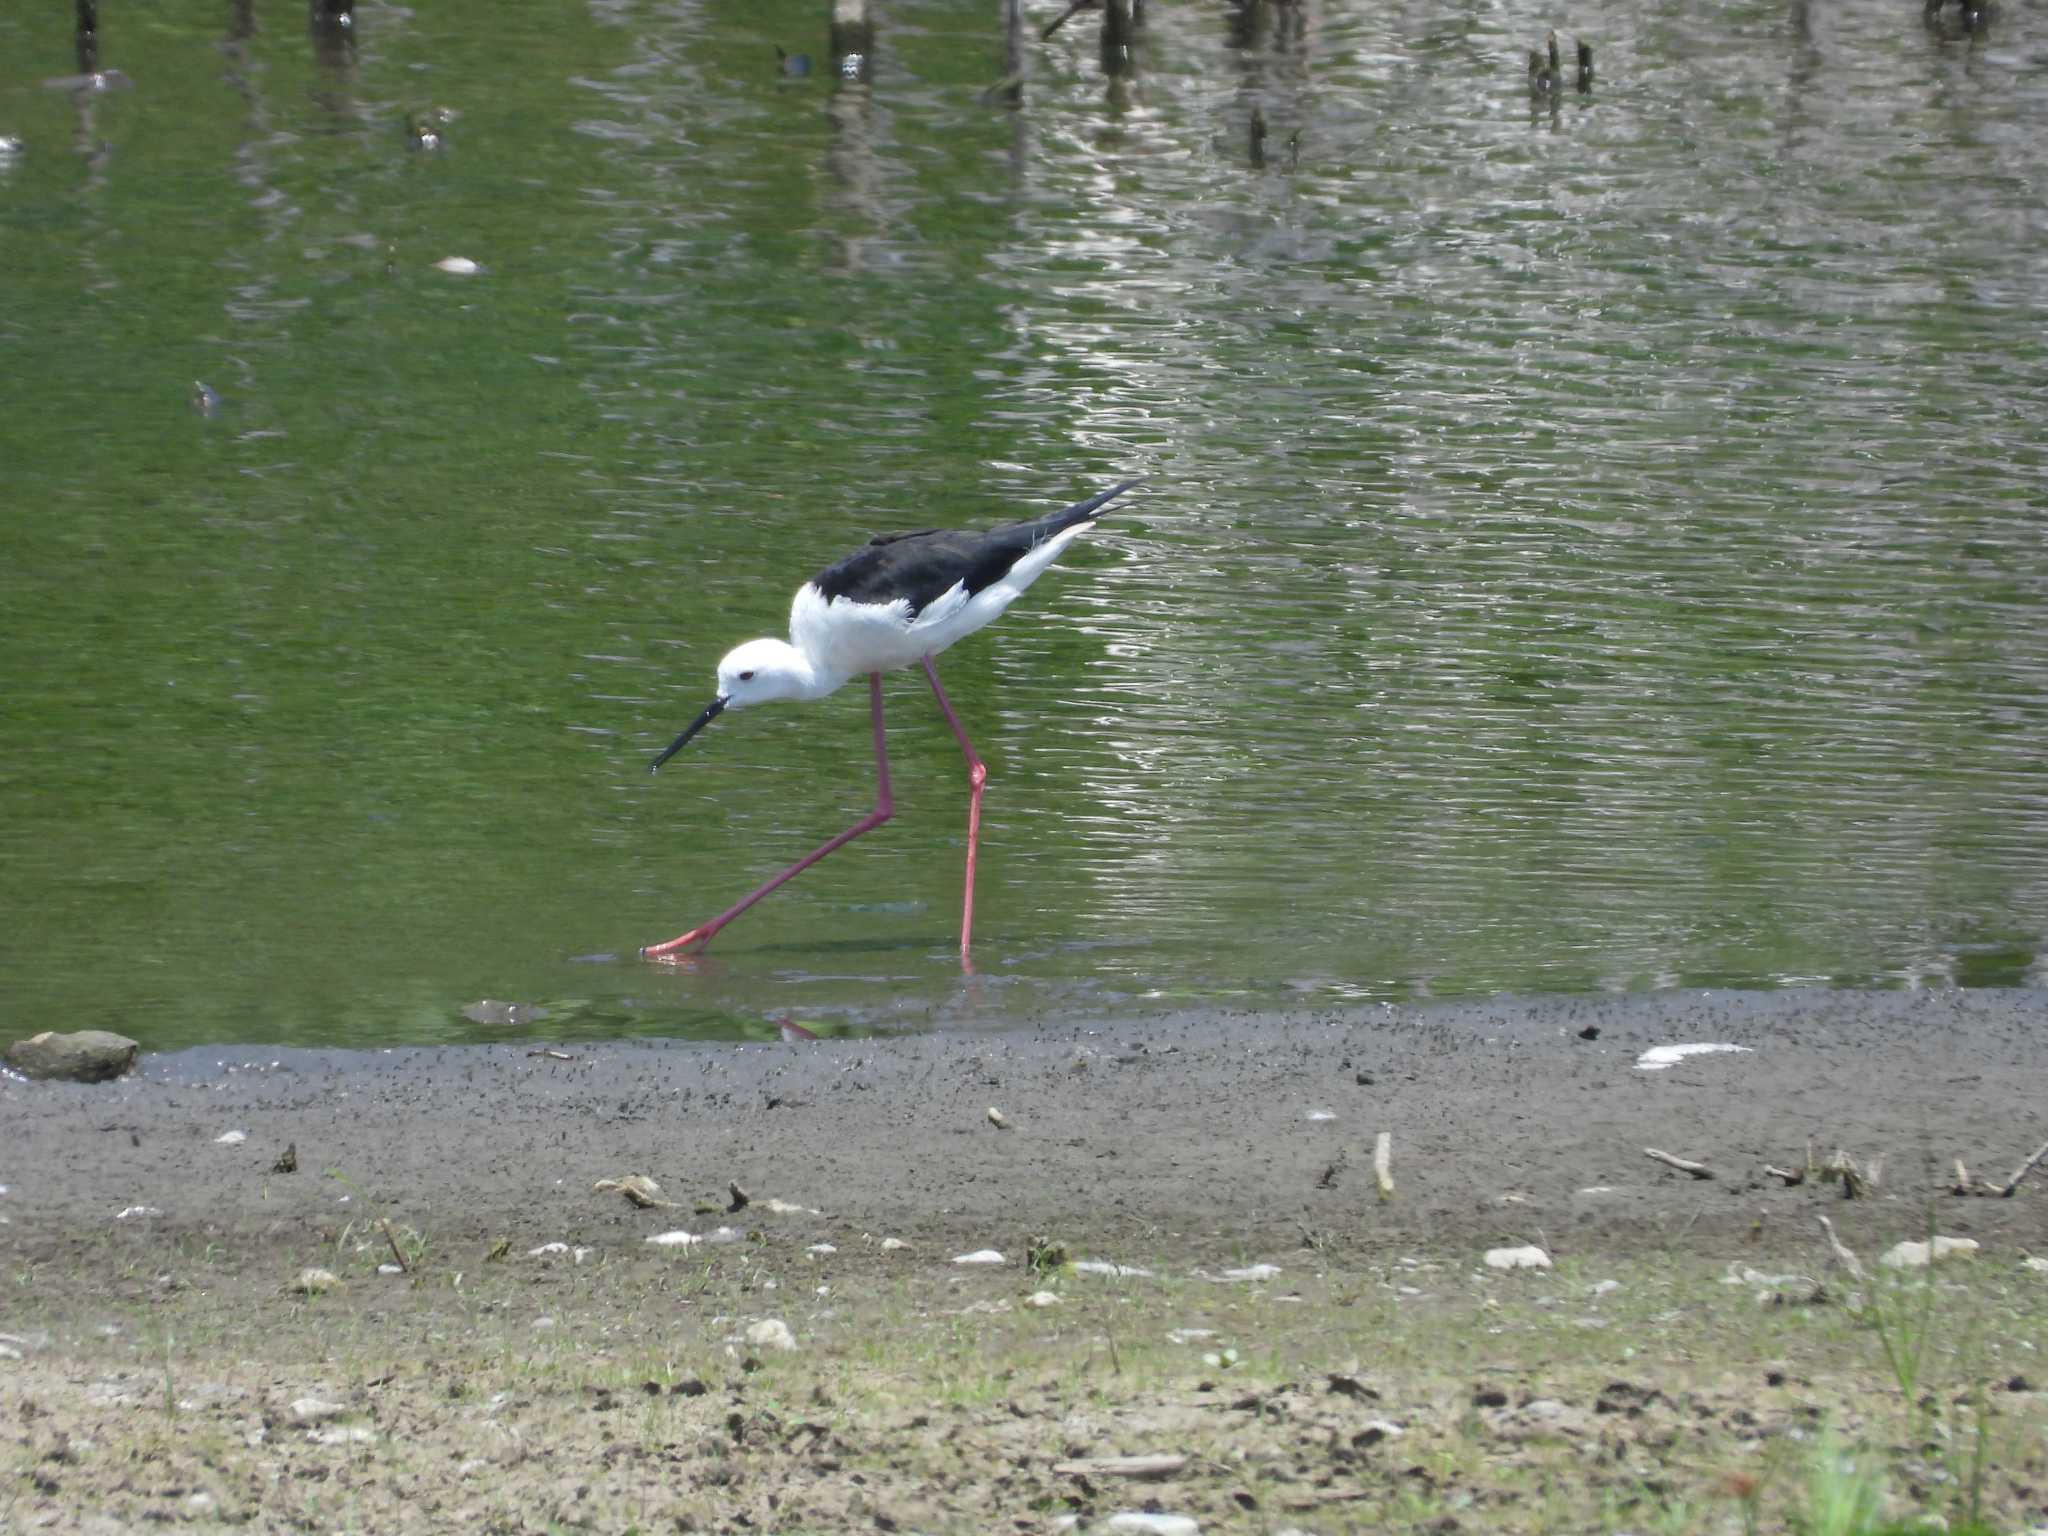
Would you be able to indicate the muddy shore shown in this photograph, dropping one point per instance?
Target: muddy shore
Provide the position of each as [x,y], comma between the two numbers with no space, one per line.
[1303,1354]
[1202,1131]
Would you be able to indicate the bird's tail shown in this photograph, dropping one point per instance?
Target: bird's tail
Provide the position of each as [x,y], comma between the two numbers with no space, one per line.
[1045,527]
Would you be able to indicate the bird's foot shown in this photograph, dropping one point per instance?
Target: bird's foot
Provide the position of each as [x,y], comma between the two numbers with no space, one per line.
[674,948]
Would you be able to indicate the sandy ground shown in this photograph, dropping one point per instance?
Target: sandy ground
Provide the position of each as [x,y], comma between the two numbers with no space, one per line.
[1196,1131]
[1186,1143]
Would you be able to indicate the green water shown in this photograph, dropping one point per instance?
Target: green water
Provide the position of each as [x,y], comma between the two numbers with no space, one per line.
[1591,548]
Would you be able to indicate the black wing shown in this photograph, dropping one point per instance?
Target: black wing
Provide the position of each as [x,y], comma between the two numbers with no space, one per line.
[926,565]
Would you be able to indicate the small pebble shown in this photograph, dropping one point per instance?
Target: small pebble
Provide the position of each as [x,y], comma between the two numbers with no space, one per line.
[1252,1272]
[305,1412]
[1661,1057]
[1153,1524]
[1919,1255]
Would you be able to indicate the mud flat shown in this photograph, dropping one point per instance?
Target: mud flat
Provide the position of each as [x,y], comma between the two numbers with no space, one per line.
[500,1347]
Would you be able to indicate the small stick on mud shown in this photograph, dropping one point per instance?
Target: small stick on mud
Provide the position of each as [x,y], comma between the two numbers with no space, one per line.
[1792,1177]
[1962,1183]
[2013,1183]
[1383,1163]
[1843,1167]
[1683,1165]
[1842,1255]
[392,1238]
[1164,1465]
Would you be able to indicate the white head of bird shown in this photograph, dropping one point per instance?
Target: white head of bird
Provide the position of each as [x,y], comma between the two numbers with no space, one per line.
[758,672]
[762,671]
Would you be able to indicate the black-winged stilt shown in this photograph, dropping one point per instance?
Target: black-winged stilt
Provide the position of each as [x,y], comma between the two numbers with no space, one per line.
[899,601]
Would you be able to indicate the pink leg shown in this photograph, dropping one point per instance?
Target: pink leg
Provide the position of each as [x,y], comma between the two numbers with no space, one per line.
[977,775]
[885,807]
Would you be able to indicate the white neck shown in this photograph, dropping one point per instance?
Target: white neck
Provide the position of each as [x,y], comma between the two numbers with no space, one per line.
[811,681]
[764,670]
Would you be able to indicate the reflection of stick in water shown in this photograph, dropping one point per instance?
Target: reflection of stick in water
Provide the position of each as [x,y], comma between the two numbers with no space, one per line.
[853,39]
[333,25]
[88,36]
[1068,14]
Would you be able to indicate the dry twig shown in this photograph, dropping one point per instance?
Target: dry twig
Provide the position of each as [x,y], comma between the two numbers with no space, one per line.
[392,1238]
[1842,1255]
[1121,1466]
[1683,1165]
[2024,1169]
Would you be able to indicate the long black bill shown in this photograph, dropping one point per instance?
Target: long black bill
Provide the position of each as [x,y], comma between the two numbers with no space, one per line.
[711,712]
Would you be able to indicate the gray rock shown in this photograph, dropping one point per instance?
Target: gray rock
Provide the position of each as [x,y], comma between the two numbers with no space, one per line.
[89,1056]
[306,1412]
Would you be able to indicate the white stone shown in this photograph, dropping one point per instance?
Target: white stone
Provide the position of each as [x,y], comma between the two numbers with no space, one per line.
[1153,1525]
[1041,1299]
[1918,1255]
[980,1256]
[314,1281]
[1528,1256]
[771,1333]
[675,1239]
[891,1244]
[1104,1267]
[230,1138]
[307,1411]
[133,1211]
[1742,1274]
[343,1434]
[547,1250]
[1252,1272]
[459,266]
[1659,1057]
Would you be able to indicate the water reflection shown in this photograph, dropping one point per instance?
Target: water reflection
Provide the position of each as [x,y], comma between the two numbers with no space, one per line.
[1595,549]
